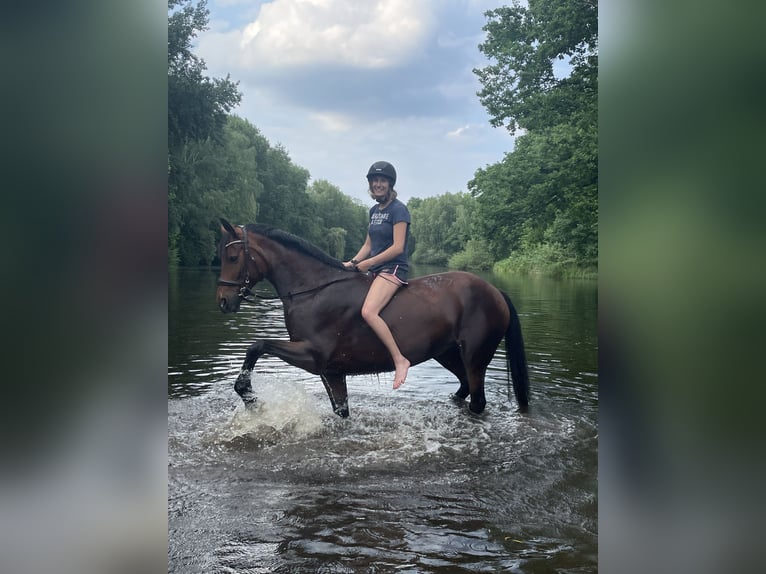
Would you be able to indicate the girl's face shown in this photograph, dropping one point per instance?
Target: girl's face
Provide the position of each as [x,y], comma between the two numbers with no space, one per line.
[379,187]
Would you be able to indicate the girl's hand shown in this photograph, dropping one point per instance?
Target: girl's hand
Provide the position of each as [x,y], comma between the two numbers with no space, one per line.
[363,266]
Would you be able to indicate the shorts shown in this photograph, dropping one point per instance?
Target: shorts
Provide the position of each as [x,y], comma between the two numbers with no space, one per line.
[394,274]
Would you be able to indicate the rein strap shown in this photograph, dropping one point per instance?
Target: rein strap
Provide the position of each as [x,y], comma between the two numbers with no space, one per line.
[246,294]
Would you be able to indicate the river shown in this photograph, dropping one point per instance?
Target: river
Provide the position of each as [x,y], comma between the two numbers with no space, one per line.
[410,482]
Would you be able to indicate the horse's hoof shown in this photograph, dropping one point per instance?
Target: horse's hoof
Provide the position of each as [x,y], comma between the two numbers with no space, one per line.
[342,412]
[242,386]
[456,398]
[476,409]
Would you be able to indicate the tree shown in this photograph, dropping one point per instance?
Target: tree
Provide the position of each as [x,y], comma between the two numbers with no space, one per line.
[284,202]
[521,90]
[197,113]
[441,226]
[544,192]
[215,180]
[342,221]
[197,105]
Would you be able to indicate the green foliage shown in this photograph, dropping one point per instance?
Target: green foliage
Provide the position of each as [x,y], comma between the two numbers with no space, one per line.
[541,199]
[520,89]
[546,188]
[336,242]
[219,165]
[197,116]
[197,105]
[340,222]
[245,180]
[441,226]
[475,257]
[212,180]
[535,211]
[284,202]
[546,259]
[242,178]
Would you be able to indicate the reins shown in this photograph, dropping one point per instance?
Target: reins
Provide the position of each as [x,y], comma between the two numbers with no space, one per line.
[246,294]
[319,287]
[289,294]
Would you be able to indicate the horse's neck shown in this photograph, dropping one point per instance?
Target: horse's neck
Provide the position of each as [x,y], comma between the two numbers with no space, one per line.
[290,270]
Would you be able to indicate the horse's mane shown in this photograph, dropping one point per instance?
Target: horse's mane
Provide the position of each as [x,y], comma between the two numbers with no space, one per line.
[294,242]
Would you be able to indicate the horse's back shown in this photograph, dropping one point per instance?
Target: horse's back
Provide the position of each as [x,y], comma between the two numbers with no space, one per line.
[461,285]
[455,297]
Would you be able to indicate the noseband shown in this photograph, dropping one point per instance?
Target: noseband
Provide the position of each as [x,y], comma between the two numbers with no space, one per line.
[245,293]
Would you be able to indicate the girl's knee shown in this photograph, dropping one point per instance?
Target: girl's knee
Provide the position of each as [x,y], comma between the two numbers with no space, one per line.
[368,314]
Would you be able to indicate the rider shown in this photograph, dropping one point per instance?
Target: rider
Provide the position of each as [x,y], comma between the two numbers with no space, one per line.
[384,254]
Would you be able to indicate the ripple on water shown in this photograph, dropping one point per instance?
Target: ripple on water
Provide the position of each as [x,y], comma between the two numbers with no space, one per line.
[410,480]
[409,483]
[291,429]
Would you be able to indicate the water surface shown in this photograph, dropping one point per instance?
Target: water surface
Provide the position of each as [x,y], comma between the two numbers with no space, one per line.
[410,482]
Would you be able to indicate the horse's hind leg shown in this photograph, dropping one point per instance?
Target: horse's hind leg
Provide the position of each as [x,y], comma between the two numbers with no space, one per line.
[453,362]
[477,354]
[471,380]
[476,387]
[335,385]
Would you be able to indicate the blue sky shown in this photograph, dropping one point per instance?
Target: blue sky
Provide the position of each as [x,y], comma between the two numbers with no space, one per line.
[344,83]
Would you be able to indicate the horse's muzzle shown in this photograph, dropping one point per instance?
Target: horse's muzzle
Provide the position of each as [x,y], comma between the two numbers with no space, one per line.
[228,304]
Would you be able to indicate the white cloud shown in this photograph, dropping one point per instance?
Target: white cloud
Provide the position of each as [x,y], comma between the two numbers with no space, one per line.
[307,72]
[459,131]
[330,122]
[348,32]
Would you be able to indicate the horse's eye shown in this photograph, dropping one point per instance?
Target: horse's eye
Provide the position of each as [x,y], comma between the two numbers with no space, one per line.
[233,258]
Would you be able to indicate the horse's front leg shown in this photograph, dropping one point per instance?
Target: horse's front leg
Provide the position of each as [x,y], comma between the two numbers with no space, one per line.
[297,353]
[335,385]
[242,385]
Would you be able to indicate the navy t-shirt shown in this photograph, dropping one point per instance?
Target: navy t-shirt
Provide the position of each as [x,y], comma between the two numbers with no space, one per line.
[382,232]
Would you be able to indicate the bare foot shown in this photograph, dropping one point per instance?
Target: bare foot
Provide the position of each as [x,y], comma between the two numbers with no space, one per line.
[401,372]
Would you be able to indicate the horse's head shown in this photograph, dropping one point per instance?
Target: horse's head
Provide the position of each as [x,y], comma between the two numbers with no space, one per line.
[239,270]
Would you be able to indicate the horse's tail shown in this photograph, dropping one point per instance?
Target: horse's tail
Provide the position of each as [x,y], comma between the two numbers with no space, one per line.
[516,358]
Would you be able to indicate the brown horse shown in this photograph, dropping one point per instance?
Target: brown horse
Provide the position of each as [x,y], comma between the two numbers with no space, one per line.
[456,318]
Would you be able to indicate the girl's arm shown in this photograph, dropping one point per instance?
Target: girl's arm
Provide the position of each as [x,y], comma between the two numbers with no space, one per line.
[362,254]
[396,249]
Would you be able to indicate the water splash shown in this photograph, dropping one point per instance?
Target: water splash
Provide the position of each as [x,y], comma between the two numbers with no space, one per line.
[284,410]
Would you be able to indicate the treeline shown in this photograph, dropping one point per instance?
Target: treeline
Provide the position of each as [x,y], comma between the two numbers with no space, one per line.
[538,208]
[535,211]
[242,177]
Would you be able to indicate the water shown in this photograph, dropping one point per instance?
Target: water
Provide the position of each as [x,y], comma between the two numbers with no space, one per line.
[411,482]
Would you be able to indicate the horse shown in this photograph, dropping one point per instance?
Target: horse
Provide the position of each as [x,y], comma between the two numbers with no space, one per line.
[455,317]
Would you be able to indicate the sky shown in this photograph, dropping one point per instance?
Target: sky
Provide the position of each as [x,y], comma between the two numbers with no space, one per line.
[341,84]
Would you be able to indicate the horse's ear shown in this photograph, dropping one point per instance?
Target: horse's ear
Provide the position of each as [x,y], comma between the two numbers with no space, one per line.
[227,227]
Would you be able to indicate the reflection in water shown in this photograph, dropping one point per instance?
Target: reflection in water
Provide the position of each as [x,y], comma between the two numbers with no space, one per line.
[410,482]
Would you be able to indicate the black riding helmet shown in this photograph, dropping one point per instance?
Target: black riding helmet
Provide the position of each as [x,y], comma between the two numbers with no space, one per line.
[382,168]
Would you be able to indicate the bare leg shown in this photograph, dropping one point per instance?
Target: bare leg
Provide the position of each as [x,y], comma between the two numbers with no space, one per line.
[378,296]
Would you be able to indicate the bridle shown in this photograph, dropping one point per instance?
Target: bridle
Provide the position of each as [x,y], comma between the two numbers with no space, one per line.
[245,293]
